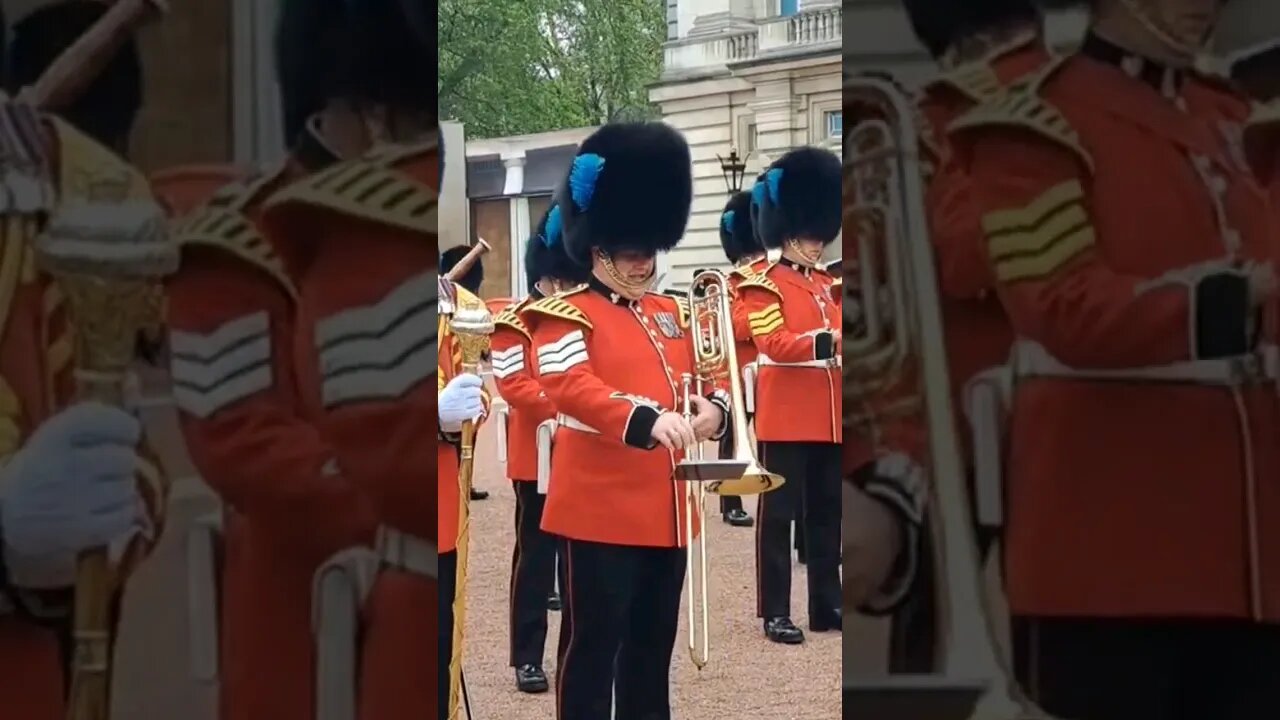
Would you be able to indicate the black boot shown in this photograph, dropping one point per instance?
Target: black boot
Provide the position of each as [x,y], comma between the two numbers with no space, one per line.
[782,630]
[738,518]
[531,679]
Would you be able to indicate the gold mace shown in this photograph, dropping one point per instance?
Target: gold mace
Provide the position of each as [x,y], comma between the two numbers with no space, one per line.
[108,259]
[472,326]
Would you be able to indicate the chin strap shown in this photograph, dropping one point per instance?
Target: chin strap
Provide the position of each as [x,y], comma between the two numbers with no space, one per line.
[804,258]
[630,288]
[1153,25]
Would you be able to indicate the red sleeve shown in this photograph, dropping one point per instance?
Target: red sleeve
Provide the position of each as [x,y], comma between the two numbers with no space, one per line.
[956,229]
[566,373]
[768,327]
[234,376]
[1040,239]
[738,312]
[512,373]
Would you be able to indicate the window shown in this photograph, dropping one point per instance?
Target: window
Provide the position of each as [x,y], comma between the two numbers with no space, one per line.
[835,123]
[787,8]
[673,19]
[749,142]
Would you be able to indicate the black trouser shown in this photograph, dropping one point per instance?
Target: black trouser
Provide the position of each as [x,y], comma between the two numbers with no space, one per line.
[1116,669]
[533,566]
[812,471]
[622,611]
[448,584]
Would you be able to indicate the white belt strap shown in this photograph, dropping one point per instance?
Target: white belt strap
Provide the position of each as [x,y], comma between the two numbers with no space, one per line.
[569,422]
[1031,359]
[546,435]
[836,361]
[407,552]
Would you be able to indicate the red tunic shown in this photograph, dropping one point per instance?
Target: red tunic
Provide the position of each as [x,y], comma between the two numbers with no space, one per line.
[365,235]
[610,368]
[233,319]
[794,319]
[516,374]
[1102,203]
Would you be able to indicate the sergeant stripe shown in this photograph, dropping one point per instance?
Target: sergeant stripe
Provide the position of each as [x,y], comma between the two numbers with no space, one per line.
[1035,241]
[766,321]
[508,362]
[380,351]
[563,354]
[213,371]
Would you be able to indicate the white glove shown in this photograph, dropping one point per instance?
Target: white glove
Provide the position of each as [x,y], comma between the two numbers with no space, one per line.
[69,489]
[461,400]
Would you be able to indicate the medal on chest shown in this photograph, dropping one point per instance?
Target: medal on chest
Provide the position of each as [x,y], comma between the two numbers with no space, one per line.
[668,326]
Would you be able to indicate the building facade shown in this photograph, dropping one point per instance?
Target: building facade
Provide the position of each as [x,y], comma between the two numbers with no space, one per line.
[757,76]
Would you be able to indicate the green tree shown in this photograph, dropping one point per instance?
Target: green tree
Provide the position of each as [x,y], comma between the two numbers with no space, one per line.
[509,67]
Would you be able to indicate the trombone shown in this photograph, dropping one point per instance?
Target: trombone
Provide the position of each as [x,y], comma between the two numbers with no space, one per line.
[715,357]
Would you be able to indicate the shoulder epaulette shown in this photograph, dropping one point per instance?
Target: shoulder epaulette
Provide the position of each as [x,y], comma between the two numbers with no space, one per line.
[683,310]
[510,318]
[1022,106]
[557,307]
[977,81]
[222,224]
[745,272]
[371,189]
[762,280]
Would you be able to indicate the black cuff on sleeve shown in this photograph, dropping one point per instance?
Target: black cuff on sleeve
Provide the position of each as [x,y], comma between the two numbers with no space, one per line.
[824,346]
[720,399]
[1222,315]
[639,432]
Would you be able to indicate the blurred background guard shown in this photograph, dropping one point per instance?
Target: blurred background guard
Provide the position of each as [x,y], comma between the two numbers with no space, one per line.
[471,281]
[1247,43]
[745,253]
[365,235]
[1133,251]
[105,110]
[981,48]
[794,321]
[610,355]
[242,415]
[533,571]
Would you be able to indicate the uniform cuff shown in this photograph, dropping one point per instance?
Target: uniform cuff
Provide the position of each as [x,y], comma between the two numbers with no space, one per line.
[1221,315]
[639,430]
[824,345]
[720,399]
[897,482]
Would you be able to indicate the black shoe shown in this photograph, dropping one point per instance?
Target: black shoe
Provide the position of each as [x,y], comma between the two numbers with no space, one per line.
[782,630]
[479,495]
[553,602]
[739,518]
[531,679]
[827,620]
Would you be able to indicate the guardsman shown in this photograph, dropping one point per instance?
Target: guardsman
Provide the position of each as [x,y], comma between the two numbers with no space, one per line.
[981,47]
[1133,251]
[364,235]
[611,355]
[233,317]
[796,326]
[470,281]
[1247,43]
[550,271]
[743,250]
[52,506]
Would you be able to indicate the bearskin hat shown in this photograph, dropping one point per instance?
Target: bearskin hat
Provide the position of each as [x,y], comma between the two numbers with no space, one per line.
[107,108]
[630,187]
[940,24]
[369,51]
[544,254]
[800,197]
[473,278]
[737,232]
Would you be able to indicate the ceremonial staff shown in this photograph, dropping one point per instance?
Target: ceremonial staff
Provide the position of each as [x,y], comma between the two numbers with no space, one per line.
[457,271]
[108,260]
[472,326]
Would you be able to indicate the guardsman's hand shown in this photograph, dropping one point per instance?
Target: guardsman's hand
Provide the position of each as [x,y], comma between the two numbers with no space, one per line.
[872,541]
[461,400]
[71,488]
[707,418]
[673,432]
